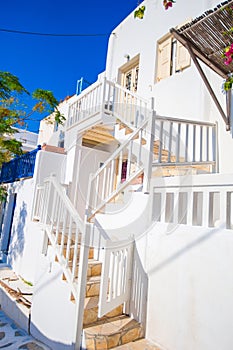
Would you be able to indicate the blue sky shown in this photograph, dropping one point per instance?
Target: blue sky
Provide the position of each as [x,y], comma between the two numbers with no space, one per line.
[56,63]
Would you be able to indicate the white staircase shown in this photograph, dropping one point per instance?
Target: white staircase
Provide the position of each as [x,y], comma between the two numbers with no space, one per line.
[100,279]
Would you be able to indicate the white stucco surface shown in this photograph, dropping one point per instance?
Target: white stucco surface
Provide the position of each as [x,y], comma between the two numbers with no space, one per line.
[52,313]
[48,163]
[127,220]
[26,236]
[87,161]
[190,286]
[183,94]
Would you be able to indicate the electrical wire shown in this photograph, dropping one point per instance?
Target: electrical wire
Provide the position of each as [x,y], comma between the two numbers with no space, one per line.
[52,34]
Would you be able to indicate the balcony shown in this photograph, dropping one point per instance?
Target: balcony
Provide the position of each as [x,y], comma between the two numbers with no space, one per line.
[19,167]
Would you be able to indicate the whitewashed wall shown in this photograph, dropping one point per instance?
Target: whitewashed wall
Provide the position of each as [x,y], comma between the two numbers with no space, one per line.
[190,285]
[190,301]
[182,95]
[87,161]
[52,313]
[26,236]
[48,163]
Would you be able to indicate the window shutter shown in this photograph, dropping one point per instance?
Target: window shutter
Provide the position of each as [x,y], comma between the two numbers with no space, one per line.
[164,59]
[183,59]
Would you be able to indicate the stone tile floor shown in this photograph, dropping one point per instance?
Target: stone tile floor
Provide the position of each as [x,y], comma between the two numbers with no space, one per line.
[14,338]
[11,336]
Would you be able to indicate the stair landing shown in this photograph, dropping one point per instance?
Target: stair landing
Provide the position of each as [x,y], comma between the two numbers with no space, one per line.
[108,334]
[142,344]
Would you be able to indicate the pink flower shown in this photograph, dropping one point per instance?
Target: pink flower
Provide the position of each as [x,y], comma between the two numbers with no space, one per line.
[167,4]
[228,52]
[228,61]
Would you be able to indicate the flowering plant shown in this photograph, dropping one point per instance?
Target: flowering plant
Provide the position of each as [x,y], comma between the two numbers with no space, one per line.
[168,3]
[139,13]
[228,54]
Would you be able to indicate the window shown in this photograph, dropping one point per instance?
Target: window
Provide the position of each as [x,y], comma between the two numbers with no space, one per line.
[172,57]
[129,74]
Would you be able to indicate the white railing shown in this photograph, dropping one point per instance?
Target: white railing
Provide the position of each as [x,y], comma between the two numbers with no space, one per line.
[200,200]
[183,142]
[111,99]
[69,238]
[129,107]
[87,105]
[38,203]
[116,276]
[124,165]
[64,228]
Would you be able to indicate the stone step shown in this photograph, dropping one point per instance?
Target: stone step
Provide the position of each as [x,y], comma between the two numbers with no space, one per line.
[71,252]
[110,333]
[142,344]
[59,236]
[93,286]
[94,268]
[91,311]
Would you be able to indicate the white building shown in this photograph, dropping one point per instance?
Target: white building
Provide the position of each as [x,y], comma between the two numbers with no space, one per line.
[28,138]
[126,231]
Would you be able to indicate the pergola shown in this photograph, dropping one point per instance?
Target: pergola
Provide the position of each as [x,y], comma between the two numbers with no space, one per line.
[205,38]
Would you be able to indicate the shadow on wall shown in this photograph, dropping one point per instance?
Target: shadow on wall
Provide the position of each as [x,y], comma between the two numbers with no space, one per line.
[209,233]
[43,312]
[18,235]
[139,290]
[53,345]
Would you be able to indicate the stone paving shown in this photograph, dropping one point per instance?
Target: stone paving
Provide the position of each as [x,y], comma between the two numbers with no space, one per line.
[13,338]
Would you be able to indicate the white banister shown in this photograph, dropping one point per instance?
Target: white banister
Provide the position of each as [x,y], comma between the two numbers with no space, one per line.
[177,139]
[62,224]
[110,98]
[198,200]
[106,183]
[116,277]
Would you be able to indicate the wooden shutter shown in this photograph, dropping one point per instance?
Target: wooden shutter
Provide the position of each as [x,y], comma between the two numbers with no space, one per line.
[183,59]
[164,59]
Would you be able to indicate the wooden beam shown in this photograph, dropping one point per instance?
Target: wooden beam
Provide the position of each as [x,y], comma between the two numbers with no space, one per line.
[189,45]
[206,81]
[194,53]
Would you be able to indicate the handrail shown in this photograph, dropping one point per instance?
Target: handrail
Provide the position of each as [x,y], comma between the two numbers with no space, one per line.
[111,99]
[185,142]
[64,227]
[184,121]
[69,237]
[19,167]
[198,200]
[69,205]
[107,182]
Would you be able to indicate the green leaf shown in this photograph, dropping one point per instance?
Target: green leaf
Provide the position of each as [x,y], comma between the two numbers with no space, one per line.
[139,13]
[10,83]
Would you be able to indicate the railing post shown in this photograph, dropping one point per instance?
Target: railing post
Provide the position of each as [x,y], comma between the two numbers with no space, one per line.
[148,159]
[103,96]
[45,214]
[215,148]
[82,280]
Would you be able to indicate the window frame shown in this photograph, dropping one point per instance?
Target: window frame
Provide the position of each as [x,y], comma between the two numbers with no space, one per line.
[130,67]
[173,57]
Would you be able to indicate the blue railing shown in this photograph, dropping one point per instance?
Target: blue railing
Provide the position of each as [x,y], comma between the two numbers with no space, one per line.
[19,167]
